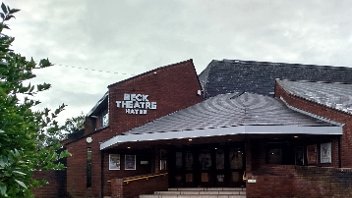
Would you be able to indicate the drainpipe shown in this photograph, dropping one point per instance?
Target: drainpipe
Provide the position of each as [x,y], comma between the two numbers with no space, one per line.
[101,174]
[339,151]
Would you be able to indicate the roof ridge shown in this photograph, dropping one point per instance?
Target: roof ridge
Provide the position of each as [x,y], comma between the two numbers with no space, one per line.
[314,81]
[153,70]
[283,63]
[206,72]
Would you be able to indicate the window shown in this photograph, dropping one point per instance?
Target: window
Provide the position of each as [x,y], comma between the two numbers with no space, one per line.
[130,162]
[89,167]
[274,156]
[105,119]
[299,156]
[280,153]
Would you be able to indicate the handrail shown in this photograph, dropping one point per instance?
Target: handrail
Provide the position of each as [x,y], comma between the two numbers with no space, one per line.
[142,177]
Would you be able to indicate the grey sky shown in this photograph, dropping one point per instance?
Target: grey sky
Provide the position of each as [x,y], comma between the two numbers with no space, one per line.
[132,36]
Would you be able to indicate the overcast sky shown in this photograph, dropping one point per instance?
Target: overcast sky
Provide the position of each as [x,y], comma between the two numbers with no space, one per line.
[96,43]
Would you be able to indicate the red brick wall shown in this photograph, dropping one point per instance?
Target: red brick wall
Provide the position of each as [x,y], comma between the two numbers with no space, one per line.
[173,87]
[300,181]
[328,113]
[272,181]
[322,182]
[56,186]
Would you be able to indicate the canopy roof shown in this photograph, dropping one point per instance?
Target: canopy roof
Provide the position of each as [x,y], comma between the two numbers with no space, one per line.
[228,114]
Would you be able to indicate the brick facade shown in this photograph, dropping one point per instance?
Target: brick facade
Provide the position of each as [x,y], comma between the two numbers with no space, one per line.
[173,87]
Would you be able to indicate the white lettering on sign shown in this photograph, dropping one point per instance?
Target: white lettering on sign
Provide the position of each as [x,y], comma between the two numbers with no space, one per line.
[136,104]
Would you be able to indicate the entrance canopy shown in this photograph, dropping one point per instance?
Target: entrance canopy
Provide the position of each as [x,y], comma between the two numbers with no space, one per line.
[228,114]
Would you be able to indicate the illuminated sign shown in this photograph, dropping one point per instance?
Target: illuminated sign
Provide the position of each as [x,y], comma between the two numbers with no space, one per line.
[136,104]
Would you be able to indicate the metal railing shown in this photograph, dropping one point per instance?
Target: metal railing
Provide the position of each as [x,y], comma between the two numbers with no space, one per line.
[127,180]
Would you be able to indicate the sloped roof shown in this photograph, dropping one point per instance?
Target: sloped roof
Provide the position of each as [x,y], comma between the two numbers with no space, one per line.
[228,114]
[259,77]
[333,95]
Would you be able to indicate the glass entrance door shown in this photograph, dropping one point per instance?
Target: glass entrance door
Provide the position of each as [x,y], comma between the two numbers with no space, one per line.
[207,166]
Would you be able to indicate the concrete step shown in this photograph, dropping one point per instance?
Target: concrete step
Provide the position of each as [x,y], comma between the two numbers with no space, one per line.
[192,196]
[198,193]
[208,189]
[195,192]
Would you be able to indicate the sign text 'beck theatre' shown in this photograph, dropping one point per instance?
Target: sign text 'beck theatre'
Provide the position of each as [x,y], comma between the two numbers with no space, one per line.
[136,104]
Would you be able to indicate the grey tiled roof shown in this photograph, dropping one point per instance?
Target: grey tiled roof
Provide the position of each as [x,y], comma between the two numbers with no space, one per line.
[230,110]
[334,95]
[259,77]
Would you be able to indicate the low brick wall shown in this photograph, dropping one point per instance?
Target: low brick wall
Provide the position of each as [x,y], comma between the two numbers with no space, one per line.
[120,188]
[56,187]
[271,182]
[323,182]
[300,182]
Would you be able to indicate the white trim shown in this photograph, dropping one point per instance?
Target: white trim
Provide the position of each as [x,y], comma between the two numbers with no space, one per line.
[240,130]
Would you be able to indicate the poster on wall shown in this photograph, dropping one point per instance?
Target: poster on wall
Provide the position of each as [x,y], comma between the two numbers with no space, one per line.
[130,162]
[325,153]
[312,154]
[114,161]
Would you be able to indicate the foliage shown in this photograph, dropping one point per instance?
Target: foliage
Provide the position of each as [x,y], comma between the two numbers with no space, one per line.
[28,139]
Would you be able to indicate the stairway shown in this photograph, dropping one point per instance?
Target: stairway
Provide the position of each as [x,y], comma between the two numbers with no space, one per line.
[199,192]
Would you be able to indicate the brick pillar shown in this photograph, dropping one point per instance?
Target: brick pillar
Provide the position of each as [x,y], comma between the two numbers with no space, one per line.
[117,188]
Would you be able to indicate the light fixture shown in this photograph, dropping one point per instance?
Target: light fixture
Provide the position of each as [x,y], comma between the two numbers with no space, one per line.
[190,140]
[89,140]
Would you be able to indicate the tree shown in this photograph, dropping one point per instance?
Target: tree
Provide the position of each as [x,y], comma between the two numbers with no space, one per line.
[74,124]
[28,138]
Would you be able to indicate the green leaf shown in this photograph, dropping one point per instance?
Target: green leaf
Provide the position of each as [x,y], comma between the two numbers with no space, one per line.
[19,173]
[4,8]
[3,190]
[21,183]
[12,11]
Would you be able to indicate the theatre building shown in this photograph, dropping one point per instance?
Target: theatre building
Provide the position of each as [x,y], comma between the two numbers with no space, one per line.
[239,129]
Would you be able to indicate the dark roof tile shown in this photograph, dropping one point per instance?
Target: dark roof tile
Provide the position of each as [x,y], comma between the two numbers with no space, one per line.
[259,77]
[333,95]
